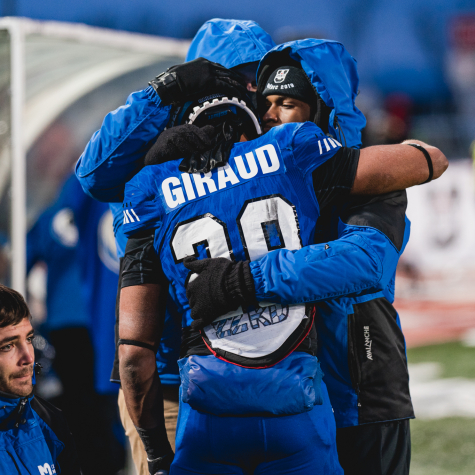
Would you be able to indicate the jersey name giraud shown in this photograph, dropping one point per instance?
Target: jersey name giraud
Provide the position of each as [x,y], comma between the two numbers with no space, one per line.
[262,200]
[264,160]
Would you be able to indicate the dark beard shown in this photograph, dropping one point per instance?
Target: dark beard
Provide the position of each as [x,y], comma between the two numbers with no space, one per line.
[7,385]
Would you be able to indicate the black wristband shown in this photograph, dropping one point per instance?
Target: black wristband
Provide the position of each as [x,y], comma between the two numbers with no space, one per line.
[155,442]
[429,160]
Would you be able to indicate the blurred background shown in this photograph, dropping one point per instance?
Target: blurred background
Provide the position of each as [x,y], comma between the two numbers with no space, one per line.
[416,61]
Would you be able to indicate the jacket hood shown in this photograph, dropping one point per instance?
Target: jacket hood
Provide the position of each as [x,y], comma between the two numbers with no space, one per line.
[230,42]
[332,71]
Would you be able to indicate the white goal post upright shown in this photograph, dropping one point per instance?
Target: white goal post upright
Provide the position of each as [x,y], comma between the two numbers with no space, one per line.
[18,167]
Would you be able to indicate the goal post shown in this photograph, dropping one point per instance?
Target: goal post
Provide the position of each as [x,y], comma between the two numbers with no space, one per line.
[50,73]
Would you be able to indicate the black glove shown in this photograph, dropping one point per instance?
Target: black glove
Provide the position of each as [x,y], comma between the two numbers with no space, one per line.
[221,286]
[159,451]
[161,465]
[181,141]
[217,153]
[190,81]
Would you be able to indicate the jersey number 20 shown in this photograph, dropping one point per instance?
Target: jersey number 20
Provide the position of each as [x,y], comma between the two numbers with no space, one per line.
[264,224]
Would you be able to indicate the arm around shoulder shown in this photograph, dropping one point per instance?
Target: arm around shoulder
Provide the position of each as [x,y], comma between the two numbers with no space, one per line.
[386,168]
[439,160]
[116,151]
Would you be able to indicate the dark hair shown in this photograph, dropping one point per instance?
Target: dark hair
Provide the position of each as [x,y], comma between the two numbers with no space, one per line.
[13,308]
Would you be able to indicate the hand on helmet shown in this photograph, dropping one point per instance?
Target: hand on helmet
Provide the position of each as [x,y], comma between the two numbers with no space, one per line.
[192,80]
[217,154]
[182,141]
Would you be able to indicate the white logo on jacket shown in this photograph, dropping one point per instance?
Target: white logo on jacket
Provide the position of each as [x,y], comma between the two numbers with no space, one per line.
[368,343]
[46,469]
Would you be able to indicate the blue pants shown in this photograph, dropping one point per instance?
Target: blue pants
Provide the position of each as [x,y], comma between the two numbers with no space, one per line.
[302,444]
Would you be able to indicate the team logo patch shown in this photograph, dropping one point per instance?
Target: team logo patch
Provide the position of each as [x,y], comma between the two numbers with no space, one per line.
[64,228]
[280,76]
[47,469]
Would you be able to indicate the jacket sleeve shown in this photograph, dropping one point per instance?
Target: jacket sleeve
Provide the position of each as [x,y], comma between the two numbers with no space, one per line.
[115,152]
[363,258]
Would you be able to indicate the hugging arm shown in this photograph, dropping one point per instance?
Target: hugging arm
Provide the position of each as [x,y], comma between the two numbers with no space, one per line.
[140,322]
[386,168]
[370,240]
[116,151]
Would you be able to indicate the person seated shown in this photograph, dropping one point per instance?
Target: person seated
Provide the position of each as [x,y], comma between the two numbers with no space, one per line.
[33,433]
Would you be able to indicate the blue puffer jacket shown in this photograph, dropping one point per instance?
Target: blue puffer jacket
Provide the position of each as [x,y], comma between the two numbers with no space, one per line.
[361,346]
[115,152]
[34,438]
[360,342]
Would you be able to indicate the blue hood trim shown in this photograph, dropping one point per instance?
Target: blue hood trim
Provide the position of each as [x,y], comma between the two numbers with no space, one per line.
[230,42]
[332,71]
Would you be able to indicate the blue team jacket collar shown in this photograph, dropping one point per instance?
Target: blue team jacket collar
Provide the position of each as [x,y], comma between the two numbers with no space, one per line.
[9,402]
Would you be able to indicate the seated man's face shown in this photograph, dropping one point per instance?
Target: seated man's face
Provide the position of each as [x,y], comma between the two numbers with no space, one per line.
[17,358]
[282,110]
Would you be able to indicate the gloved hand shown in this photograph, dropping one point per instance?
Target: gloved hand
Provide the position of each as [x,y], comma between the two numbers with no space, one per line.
[190,81]
[158,449]
[161,465]
[217,153]
[221,286]
[182,141]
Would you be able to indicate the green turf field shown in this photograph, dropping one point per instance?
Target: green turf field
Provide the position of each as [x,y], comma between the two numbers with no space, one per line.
[444,446]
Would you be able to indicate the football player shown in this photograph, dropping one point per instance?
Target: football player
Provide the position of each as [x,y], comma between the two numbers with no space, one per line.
[361,345]
[116,153]
[252,396]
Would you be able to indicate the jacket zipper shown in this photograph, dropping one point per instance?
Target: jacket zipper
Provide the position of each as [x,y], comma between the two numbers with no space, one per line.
[20,412]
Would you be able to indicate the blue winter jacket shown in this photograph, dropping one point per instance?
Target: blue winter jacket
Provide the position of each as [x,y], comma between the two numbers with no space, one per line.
[115,152]
[360,342]
[34,438]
